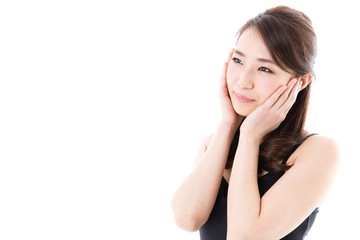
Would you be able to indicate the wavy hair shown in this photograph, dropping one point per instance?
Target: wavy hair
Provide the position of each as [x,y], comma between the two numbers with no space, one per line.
[291,41]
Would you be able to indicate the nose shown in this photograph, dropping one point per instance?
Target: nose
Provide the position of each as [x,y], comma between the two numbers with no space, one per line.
[246,79]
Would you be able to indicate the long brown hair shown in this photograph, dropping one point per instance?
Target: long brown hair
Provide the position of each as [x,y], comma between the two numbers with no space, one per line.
[291,41]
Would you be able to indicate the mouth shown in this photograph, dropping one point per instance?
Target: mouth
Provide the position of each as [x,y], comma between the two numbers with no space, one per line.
[243,99]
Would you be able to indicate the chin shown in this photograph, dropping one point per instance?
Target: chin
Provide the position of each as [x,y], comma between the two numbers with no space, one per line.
[243,109]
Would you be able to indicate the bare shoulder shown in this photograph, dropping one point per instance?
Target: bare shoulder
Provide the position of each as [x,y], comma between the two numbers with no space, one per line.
[316,163]
[320,144]
[204,145]
[319,150]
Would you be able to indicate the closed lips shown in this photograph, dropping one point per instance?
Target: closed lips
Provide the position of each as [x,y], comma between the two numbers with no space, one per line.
[243,98]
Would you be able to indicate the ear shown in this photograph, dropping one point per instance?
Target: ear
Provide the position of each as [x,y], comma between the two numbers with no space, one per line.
[305,80]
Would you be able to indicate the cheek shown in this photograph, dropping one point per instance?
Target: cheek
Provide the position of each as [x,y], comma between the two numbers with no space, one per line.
[270,85]
[231,75]
[267,88]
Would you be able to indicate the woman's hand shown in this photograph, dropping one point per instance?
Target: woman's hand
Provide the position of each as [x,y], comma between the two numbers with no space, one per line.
[229,116]
[269,115]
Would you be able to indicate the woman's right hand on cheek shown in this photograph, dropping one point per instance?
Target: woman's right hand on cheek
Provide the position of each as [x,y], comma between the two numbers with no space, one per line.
[229,116]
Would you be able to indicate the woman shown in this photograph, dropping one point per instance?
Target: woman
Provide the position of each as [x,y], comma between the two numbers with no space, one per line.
[261,175]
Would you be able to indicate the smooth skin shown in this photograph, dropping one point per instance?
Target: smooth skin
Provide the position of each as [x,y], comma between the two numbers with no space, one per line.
[296,194]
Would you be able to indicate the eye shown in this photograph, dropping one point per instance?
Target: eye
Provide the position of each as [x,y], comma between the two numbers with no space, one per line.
[264,69]
[237,60]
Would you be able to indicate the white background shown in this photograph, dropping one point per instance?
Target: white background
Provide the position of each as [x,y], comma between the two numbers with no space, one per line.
[103,105]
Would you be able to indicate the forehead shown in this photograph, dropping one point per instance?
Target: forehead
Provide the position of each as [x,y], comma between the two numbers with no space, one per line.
[252,45]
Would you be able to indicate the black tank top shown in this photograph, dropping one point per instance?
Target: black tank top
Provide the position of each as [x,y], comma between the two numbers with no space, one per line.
[216,226]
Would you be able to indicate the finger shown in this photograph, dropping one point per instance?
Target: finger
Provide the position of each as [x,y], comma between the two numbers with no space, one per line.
[285,96]
[226,65]
[223,84]
[224,71]
[291,99]
[230,55]
[228,61]
[274,97]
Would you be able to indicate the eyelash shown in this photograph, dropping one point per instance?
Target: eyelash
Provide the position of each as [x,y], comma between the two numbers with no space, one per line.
[264,69]
[235,60]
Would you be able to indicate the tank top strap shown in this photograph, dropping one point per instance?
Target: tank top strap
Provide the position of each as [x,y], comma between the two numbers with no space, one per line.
[296,146]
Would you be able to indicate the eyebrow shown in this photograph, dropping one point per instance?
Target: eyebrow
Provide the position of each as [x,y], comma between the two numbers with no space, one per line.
[265,60]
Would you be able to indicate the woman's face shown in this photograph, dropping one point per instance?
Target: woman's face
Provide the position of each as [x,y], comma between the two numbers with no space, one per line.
[252,75]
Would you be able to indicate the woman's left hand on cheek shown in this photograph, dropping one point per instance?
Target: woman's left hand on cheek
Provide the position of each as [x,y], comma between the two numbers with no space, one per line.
[269,115]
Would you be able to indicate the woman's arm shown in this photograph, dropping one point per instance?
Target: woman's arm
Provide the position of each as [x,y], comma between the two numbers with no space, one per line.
[289,201]
[295,195]
[195,198]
